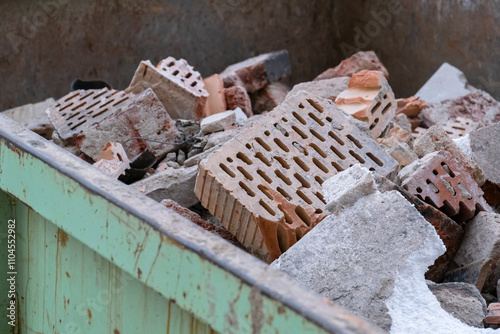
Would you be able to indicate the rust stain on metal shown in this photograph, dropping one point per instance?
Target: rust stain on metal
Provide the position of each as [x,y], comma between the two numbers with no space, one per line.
[116,331]
[139,273]
[67,275]
[62,237]
[89,312]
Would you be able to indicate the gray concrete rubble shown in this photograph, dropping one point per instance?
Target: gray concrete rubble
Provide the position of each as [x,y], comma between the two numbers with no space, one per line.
[33,117]
[327,88]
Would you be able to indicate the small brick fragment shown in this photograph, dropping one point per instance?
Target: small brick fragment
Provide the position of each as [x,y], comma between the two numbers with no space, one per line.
[113,160]
[265,184]
[269,97]
[402,153]
[178,86]
[237,97]
[369,98]
[411,106]
[216,101]
[257,72]
[492,319]
[218,122]
[442,182]
[362,60]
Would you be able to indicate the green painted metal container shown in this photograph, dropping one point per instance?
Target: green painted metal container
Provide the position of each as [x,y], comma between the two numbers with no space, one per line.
[93,255]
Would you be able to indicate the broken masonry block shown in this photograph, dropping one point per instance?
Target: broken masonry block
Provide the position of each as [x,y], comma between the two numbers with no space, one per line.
[216,101]
[357,257]
[265,184]
[459,127]
[218,122]
[237,97]
[327,89]
[143,116]
[369,98]
[485,148]
[482,241]
[441,181]
[178,86]
[257,72]
[362,60]
[33,117]
[269,97]
[402,153]
[492,319]
[462,300]
[80,109]
[176,184]
[448,82]
[411,106]
[473,273]
[113,160]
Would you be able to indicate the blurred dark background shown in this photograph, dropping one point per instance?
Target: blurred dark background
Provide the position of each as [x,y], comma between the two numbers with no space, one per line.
[44,45]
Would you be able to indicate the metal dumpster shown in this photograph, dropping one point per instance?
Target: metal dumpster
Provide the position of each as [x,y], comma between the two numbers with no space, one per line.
[93,255]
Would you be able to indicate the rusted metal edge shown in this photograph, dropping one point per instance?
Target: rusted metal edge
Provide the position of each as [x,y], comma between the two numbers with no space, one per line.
[248,269]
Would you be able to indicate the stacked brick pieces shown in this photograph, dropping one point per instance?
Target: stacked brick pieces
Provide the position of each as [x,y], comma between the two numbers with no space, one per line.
[178,86]
[265,184]
[82,108]
[369,98]
[442,182]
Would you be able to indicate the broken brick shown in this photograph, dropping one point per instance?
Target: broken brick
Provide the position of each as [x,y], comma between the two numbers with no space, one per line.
[362,60]
[178,86]
[265,184]
[327,88]
[411,106]
[216,101]
[218,122]
[441,181]
[459,127]
[257,72]
[113,160]
[369,98]
[237,97]
[269,97]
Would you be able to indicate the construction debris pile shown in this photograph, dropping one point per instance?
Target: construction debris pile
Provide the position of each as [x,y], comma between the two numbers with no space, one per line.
[388,207]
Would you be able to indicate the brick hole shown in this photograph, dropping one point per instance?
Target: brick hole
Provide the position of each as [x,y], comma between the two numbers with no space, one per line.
[387,107]
[263,144]
[189,75]
[284,193]
[320,197]
[304,197]
[194,83]
[301,149]
[303,215]
[100,94]
[175,72]
[66,106]
[92,105]
[63,114]
[71,97]
[298,234]
[356,156]
[371,169]
[288,219]
[337,166]
[100,112]
[267,133]
[229,159]
[264,176]
[419,190]
[317,135]
[302,180]
[281,145]
[120,101]
[113,92]
[282,238]
[316,119]
[281,129]
[466,195]
[73,115]
[385,96]
[74,127]
[458,128]
[337,138]
[282,162]
[300,132]
[90,92]
[105,104]
[319,180]
[320,165]
[435,172]
[227,170]
[317,149]
[432,186]
[247,145]
[81,117]
[355,141]
[262,158]
[329,119]
[375,159]
[247,189]
[172,63]
[245,173]
[299,118]
[283,177]
[265,191]
[267,207]
[284,119]
[447,169]
[337,152]
[301,164]
[375,108]
[301,106]
[374,124]
[315,105]
[244,158]
[70,123]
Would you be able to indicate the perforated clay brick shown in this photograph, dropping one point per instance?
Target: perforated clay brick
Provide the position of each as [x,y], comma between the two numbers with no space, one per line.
[178,86]
[265,184]
[460,127]
[369,98]
[442,182]
[82,108]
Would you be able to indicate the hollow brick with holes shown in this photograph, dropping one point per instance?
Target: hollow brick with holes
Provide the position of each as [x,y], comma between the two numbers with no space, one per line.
[80,109]
[178,86]
[459,127]
[265,184]
[442,182]
[369,98]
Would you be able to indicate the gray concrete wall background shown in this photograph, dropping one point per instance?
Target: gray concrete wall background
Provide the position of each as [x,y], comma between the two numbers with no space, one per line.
[44,45]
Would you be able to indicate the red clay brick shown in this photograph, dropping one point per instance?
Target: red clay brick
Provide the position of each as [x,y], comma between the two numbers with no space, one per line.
[362,60]
[237,97]
[216,101]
